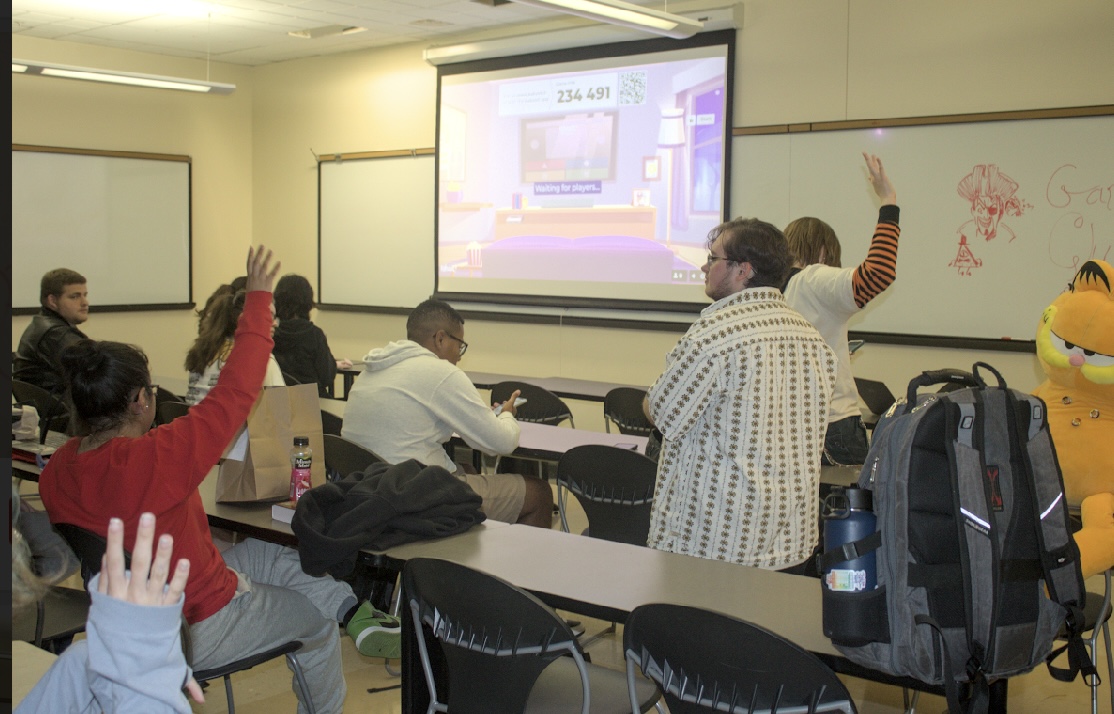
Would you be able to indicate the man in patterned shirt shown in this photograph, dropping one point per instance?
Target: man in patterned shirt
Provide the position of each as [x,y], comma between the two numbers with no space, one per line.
[742,406]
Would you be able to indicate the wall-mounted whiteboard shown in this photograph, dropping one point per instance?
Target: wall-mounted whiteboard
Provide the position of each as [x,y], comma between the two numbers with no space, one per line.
[376,231]
[996,216]
[121,219]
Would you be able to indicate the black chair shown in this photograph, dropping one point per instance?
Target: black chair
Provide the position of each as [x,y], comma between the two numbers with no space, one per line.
[703,661]
[162,394]
[503,650]
[90,547]
[615,487]
[542,406]
[53,414]
[331,423]
[169,410]
[55,619]
[342,457]
[622,406]
[1096,621]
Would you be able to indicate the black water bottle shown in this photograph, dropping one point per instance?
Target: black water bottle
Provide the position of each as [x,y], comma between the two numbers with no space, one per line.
[849,517]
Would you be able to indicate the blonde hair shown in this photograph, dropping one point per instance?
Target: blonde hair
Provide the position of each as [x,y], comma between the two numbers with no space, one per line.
[27,588]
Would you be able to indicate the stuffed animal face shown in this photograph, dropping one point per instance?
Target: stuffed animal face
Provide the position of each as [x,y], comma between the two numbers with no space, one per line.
[1075,338]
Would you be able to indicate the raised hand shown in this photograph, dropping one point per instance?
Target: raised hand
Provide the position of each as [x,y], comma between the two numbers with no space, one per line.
[879,180]
[261,276]
[146,584]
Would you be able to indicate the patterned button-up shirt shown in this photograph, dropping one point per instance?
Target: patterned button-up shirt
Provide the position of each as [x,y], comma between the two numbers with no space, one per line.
[743,407]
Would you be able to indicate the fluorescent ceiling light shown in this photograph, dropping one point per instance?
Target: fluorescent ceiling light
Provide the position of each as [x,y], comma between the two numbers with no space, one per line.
[326,31]
[617,12]
[133,79]
[712,14]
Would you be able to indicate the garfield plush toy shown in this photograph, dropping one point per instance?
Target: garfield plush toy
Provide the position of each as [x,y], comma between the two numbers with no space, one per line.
[1075,346]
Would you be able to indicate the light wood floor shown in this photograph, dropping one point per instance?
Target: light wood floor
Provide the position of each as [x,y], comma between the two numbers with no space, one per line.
[266,689]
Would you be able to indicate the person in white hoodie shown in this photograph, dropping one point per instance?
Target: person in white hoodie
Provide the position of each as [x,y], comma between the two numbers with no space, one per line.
[411,398]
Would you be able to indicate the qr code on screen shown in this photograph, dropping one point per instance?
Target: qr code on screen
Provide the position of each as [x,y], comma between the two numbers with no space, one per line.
[632,88]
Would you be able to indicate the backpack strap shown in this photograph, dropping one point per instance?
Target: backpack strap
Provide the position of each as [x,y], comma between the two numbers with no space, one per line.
[976,525]
[1059,553]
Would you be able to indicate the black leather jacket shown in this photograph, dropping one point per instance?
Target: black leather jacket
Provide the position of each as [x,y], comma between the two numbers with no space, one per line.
[36,360]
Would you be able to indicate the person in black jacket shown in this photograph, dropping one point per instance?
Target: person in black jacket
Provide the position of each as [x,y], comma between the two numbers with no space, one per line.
[65,305]
[300,346]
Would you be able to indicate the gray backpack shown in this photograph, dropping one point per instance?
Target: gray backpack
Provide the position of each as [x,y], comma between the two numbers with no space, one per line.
[976,567]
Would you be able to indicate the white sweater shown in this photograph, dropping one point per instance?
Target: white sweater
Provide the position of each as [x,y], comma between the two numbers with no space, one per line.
[408,402]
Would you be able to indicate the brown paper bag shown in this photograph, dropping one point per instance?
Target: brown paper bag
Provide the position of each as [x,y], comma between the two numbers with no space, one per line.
[262,473]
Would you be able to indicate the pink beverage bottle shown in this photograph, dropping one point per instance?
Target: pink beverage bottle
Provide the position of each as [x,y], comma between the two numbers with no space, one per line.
[301,460]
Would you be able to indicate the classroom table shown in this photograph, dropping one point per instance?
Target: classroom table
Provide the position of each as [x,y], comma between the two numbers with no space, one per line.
[564,387]
[28,665]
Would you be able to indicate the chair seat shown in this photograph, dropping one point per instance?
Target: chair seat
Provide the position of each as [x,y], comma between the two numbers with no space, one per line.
[558,690]
[204,675]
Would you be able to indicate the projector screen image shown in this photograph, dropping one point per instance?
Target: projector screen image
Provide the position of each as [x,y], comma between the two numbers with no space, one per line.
[593,181]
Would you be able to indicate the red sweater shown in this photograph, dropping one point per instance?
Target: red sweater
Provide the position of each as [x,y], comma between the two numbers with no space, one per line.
[161,470]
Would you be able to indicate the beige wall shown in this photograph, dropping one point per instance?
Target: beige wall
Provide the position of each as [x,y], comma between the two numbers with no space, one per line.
[797,61]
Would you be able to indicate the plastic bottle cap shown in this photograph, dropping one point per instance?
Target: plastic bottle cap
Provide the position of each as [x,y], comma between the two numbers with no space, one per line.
[301,441]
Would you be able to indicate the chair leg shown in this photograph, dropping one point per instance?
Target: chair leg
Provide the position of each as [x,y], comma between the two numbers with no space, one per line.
[228,694]
[300,677]
[609,630]
[910,702]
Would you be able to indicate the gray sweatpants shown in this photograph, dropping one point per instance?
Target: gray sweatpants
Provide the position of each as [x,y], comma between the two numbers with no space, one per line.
[277,602]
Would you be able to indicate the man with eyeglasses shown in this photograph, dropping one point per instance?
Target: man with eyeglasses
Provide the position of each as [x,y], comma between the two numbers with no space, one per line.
[742,407]
[411,398]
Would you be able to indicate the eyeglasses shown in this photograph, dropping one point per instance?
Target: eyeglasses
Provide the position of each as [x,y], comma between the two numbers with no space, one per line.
[463,344]
[713,258]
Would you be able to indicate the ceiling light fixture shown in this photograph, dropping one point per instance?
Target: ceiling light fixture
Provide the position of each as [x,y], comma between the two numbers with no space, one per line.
[134,79]
[326,31]
[617,12]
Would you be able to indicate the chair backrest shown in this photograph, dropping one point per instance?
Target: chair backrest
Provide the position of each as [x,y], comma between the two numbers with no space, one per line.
[344,456]
[88,546]
[169,410]
[704,661]
[331,423]
[496,639]
[165,395]
[615,487]
[542,406]
[623,407]
[52,411]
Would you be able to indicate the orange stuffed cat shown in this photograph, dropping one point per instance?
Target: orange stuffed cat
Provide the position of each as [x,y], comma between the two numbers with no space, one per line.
[1075,346]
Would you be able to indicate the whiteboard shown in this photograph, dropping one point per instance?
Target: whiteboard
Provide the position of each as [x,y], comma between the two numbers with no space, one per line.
[121,221]
[993,287]
[376,231]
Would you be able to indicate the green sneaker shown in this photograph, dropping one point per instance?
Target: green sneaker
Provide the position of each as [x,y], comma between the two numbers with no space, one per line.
[376,633]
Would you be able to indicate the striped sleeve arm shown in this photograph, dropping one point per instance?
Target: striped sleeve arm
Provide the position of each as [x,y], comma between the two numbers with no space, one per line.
[879,268]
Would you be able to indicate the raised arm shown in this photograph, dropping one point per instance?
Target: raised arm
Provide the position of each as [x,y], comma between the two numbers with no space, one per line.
[879,269]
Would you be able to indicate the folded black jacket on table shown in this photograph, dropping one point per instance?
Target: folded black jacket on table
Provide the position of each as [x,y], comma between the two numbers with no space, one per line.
[380,507]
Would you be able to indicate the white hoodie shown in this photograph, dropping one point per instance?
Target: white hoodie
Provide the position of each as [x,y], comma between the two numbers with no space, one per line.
[408,402]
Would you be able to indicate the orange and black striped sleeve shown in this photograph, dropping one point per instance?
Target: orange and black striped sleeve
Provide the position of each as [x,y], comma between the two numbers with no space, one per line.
[879,268]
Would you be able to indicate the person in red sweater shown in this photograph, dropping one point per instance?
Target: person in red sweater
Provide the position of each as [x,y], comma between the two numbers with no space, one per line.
[253,597]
